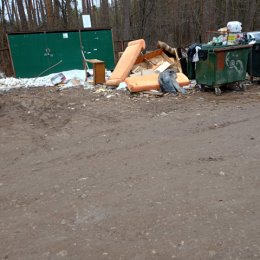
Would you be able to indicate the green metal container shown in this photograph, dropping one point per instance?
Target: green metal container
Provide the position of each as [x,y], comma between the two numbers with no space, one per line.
[253,67]
[224,65]
[191,70]
[43,53]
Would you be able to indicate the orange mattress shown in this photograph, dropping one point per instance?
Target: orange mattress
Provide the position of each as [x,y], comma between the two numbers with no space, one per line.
[150,82]
[126,62]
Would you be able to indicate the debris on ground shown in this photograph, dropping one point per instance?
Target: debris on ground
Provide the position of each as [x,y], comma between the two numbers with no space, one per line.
[141,71]
[138,70]
[58,78]
[2,75]
[168,82]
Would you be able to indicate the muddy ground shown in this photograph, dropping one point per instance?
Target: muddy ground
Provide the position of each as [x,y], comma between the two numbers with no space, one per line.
[84,176]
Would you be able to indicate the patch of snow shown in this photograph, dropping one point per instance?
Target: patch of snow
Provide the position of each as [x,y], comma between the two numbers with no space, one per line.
[73,78]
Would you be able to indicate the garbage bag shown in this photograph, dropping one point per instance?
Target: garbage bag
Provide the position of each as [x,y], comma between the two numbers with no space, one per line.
[192,51]
[168,83]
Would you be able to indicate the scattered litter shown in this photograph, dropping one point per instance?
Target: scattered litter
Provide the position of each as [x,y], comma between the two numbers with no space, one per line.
[63,222]
[222,173]
[212,253]
[142,72]
[75,82]
[58,78]
[88,86]
[193,83]
[154,93]
[108,73]
[101,89]
[62,253]
[181,243]
[122,86]
[188,87]
[83,196]
[163,114]
[109,96]
[163,67]
[2,75]
[83,179]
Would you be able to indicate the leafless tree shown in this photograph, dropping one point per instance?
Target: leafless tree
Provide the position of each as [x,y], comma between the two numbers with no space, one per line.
[177,22]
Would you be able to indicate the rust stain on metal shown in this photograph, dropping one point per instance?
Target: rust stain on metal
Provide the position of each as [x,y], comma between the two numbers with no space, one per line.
[221,60]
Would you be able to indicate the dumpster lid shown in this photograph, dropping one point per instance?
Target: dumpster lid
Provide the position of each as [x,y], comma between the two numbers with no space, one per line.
[231,48]
[220,48]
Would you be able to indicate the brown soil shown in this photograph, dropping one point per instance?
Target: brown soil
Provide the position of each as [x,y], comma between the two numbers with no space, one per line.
[83,176]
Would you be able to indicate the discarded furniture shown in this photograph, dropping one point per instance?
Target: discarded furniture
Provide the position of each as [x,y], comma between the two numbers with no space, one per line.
[158,61]
[172,51]
[151,59]
[126,62]
[150,82]
[98,70]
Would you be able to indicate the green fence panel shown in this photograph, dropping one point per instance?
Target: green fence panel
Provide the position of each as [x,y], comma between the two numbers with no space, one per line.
[29,54]
[99,45]
[64,50]
[43,53]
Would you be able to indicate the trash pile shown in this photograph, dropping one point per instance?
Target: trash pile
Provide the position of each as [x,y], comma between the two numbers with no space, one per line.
[163,70]
[230,35]
[155,70]
[222,62]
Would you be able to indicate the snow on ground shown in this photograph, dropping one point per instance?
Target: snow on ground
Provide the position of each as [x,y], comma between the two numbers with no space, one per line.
[72,76]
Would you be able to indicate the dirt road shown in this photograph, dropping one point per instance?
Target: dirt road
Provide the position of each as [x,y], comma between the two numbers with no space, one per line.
[84,176]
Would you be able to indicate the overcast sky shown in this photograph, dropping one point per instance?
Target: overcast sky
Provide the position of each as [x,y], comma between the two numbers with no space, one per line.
[96,2]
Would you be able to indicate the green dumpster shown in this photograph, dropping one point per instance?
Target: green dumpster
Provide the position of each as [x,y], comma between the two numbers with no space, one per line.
[223,65]
[191,70]
[253,66]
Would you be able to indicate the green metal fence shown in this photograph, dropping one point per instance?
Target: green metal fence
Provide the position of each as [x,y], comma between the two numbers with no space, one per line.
[42,53]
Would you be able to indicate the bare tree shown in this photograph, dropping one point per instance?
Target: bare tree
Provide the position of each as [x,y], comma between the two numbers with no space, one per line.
[84,7]
[251,13]
[104,13]
[29,9]
[126,18]
[22,14]
[49,13]
[56,13]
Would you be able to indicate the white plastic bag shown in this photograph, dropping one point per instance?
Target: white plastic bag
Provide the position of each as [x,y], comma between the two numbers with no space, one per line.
[234,26]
